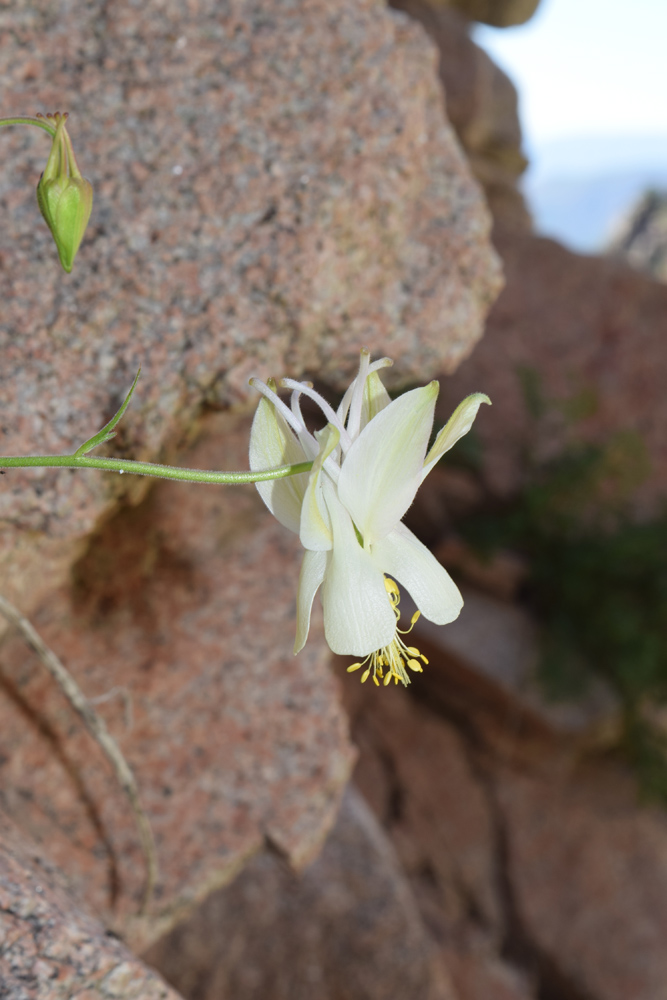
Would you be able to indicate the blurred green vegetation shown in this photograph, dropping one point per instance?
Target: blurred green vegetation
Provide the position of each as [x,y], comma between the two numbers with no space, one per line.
[597,578]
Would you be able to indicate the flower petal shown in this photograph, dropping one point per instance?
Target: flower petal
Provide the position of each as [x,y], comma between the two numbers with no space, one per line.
[382,470]
[358,616]
[458,424]
[403,556]
[376,398]
[356,401]
[310,578]
[272,443]
[315,528]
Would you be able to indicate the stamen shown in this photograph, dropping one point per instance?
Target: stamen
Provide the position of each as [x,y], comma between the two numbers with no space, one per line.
[390,662]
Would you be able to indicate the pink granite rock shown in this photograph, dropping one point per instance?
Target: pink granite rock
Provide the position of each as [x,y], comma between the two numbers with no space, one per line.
[275,185]
[593,331]
[537,871]
[49,949]
[347,927]
[414,771]
[428,785]
[589,873]
[481,101]
[479,974]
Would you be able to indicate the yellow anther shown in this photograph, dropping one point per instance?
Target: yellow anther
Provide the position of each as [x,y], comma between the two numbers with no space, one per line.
[396,657]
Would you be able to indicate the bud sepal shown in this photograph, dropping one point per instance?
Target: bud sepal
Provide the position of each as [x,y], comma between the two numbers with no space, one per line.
[64,196]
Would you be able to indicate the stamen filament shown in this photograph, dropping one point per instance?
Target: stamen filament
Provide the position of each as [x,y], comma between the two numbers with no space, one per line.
[327,410]
[282,407]
[306,439]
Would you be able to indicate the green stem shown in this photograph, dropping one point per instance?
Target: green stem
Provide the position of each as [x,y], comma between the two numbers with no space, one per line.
[38,122]
[151,469]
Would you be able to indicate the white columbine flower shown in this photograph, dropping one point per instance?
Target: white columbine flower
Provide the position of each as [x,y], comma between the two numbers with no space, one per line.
[368,463]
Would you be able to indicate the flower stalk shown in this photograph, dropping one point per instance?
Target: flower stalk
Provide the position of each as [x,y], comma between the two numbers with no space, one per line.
[122,465]
[81,460]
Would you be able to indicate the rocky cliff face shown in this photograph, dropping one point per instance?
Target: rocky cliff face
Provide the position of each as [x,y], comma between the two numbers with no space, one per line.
[489,849]
[641,238]
[481,104]
[276,184]
[526,842]
[591,330]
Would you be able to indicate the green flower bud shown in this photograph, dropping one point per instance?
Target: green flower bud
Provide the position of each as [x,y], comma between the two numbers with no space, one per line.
[65,198]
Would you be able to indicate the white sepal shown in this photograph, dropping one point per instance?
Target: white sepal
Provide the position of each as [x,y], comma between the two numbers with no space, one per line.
[458,424]
[312,572]
[403,557]
[272,444]
[382,470]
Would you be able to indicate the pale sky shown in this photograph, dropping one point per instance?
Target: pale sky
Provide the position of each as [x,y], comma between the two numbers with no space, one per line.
[587,67]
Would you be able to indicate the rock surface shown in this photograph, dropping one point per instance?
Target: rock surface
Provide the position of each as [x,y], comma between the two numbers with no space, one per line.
[495,647]
[589,872]
[416,774]
[499,13]
[428,785]
[536,870]
[641,238]
[347,927]
[183,610]
[593,332]
[276,185]
[482,105]
[50,950]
